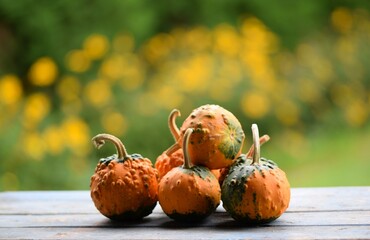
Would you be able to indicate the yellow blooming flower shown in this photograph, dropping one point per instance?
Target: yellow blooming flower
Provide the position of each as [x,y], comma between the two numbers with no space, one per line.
[158,47]
[197,39]
[96,46]
[227,40]
[53,140]
[255,104]
[77,61]
[257,37]
[113,66]
[76,135]
[356,113]
[36,108]
[69,88]
[133,78]
[98,92]
[33,146]
[342,19]
[10,89]
[114,123]
[168,97]
[195,73]
[43,72]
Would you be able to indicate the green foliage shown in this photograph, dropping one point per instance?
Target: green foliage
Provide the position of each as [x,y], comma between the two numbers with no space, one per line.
[72,69]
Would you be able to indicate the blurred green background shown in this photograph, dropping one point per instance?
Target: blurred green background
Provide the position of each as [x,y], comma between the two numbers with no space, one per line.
[72,69]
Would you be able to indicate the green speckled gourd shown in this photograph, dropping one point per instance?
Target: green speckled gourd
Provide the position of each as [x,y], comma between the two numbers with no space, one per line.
[217,139]
[255,190]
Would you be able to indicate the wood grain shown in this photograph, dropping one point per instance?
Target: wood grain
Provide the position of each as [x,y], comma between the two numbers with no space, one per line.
[325,213]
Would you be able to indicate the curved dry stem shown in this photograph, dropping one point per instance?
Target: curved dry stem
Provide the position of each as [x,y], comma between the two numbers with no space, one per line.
[99,141]
[185,143]
[175,131]
[256,143]
[265,138]
[172,149]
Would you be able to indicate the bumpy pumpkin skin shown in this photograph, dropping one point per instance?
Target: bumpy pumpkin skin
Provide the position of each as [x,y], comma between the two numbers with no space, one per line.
[189,194]
[165,163]
[255,194]
[125,189]
[217,139]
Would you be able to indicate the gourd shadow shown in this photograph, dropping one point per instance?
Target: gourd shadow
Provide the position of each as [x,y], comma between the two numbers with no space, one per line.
[172,224]
[108,223]
[231,224]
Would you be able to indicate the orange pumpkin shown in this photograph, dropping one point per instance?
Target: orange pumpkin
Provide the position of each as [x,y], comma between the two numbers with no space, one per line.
[217,139]
[173,156]
[255,190]
[189,193]
[124,186]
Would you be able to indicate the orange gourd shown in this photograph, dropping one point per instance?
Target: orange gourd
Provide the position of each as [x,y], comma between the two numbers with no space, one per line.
[173,156]
[255,190]
[123,187]
[217,139]
[189,193]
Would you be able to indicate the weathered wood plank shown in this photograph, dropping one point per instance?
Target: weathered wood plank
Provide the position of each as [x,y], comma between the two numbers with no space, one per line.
[325,213]
[79,202]
[170,232]
[219,219]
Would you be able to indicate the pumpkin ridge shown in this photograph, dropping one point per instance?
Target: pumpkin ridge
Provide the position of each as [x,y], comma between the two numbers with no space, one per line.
[233,139]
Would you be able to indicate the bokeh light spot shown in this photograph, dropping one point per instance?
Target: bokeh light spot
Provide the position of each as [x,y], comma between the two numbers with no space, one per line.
[43,72]
[77,61]
[10,89]
[96,46]
[255,104]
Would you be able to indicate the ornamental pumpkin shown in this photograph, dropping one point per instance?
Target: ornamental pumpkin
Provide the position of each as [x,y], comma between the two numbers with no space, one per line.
[123,187]
[224,171]
[173,156]
[189,193]
[255,190]
[217,139]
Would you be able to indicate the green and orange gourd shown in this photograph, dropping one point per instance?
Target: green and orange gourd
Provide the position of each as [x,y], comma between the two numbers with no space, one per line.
[123,187]
[217,139]
[189,192]
[256,190]
[224,171]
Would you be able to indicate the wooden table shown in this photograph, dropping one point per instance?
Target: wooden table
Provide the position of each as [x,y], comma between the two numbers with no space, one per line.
[324,213]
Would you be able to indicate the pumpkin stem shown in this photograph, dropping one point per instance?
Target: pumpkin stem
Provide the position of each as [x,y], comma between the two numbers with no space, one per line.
[185,143]
[172,149]
[265,138]
[256,143]
[172,124]
[99,141]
